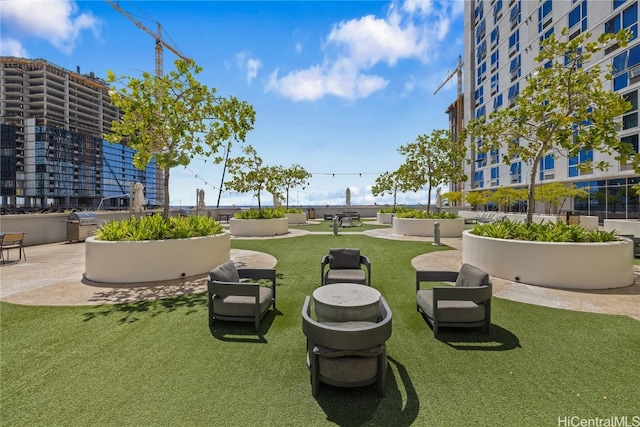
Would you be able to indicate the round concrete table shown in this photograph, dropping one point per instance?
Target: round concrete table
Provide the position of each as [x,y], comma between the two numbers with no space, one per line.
[344,302]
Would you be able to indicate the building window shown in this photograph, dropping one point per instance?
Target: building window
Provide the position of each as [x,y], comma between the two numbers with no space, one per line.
[630,118]
[494,156]
[495,176]
[478,179]
[482,73]
[497,11]
[479,96]
[544,15]
[497,102]
[495,37]
[513,93]
[479,13]
[481,52]
[480,31]
[515,172]
[578,19]
[495,86]
[627,19]
[545,36]
[494,60]
[547,166]
[480,112]
[626,68]
[576,161]
[514,68]
[514,15]
[514,43]
[618,3]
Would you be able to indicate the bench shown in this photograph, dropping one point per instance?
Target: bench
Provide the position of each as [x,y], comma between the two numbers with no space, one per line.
[12,240]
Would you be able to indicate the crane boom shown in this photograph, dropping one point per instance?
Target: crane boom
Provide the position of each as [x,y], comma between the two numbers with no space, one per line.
[157,36]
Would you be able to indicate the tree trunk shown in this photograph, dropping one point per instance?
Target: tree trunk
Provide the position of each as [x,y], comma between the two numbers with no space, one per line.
[165,210]
[531,194]
[429,199]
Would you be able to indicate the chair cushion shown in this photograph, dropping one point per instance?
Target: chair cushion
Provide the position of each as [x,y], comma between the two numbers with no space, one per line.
[344,258]
[450,311]
[349,368]
[471,276]
[242,306]
[346,276]
[226,272]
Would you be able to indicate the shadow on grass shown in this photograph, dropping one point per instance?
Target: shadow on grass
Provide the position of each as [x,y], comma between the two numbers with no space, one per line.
[133,311]
[500,339]
[349,407]
[231,331]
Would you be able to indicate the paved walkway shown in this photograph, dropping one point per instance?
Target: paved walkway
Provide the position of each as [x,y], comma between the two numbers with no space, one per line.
[53,275]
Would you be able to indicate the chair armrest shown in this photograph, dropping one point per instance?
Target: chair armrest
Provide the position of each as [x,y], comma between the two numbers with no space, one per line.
[435,276]
[364,260]
[234,288]
[258,273]
[453,293]
[323,264]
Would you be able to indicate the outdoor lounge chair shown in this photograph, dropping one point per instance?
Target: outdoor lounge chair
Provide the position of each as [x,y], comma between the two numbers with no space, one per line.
[231,299]
[347,354]
[10,241]
[467,304]
[345,267]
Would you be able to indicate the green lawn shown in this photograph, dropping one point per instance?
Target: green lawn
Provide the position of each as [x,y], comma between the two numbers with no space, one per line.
[157,363]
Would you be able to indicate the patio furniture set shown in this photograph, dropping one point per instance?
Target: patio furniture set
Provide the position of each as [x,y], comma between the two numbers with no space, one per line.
[346,321]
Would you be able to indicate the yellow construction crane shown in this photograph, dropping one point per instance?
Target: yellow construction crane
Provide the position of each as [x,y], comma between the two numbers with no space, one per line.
[458,104]
[157,36]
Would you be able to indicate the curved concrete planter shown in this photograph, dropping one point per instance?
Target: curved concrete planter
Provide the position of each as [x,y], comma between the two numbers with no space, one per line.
[556,265]
[424,227]
[258,227]
[154,260]
[297,218]
[623,226]
[384,218]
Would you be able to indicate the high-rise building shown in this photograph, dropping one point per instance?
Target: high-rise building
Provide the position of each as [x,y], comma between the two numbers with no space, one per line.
[501,40]
[53,153]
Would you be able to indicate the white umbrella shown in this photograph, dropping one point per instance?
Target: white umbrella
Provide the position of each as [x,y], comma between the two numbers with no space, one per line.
[348,197]
[438,198]
[201,199]
[137,203]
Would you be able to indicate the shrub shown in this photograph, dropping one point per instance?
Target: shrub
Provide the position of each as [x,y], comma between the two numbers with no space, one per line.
[395,210]
[542,232]
[265,213]
[156,228]
[415,213]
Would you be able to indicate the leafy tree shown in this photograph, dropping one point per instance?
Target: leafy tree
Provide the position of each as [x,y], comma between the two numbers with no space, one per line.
[287,178]
[432,160]
[174,118]
[505,197]
[453,197]
[476,198]
[249,175]
[564,108]
[391,183]
[556,193]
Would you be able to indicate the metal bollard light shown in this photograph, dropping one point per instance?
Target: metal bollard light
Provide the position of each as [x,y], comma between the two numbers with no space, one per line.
[335,225]
[436,233]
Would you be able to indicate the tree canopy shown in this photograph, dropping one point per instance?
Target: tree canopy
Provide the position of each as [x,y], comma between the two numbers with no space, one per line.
[287,178]
[174,118]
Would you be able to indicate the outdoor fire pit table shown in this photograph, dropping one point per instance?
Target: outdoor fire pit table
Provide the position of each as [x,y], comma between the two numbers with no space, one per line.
[345,302]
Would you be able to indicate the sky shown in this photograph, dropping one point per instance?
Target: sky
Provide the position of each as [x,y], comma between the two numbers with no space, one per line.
[337,86]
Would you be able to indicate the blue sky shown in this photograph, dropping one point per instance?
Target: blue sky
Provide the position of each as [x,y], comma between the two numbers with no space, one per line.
[337,86]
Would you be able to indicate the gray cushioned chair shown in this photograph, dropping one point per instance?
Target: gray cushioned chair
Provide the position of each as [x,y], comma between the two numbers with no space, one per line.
[347,354]
[231,298]
[467,304]
[345,266]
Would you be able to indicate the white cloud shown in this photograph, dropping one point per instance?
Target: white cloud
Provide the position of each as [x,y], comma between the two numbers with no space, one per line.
[12,47]
[248,65]
[56,21]
[298,47]
[352,47]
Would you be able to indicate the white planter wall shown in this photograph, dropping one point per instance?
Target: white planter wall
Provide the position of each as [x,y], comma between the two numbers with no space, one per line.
[384,218]
[258,227]
[424,227]
[556,265]
[154,260]
[297,218]
[623,226]
[589,222]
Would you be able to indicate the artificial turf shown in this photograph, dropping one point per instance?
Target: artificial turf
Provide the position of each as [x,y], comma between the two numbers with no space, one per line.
[156,363]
